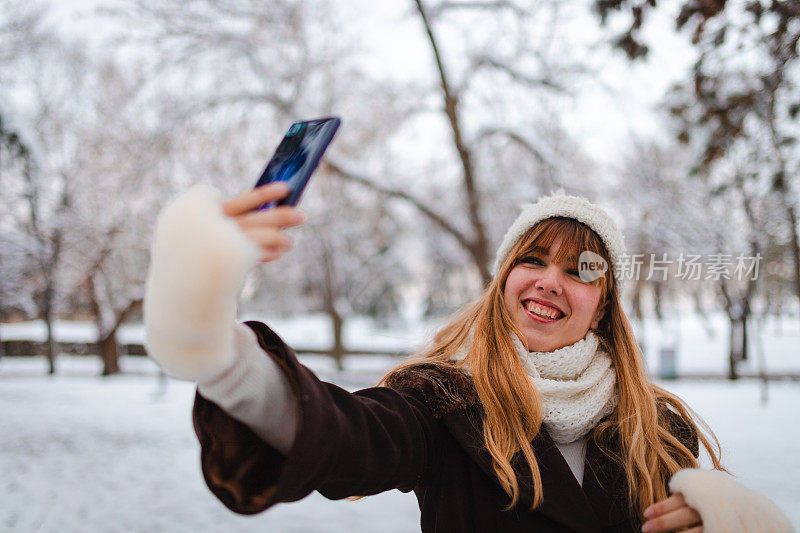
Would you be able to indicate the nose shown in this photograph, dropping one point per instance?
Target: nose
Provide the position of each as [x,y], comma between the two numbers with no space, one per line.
[549,282]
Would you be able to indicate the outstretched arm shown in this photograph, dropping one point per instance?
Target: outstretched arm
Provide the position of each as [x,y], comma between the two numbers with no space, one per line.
[269,430]
[202,250]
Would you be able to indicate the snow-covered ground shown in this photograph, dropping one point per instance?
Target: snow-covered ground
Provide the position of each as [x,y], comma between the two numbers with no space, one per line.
[83,453]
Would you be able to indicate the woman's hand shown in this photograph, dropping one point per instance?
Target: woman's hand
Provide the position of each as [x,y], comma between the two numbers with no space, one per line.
[264,227]
[672,514]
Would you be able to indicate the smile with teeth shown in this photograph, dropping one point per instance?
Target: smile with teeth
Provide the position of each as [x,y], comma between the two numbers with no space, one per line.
[542,310]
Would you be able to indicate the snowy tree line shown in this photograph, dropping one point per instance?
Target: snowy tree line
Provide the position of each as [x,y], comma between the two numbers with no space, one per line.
[426,174]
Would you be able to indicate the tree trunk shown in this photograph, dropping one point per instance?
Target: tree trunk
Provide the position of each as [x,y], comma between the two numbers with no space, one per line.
[785,194]
[795,247]
[2,348]
[329,295]
[479,248]
[762,363]
[107,345]
[658,295]
[732,374]
[737,338]
[745,316]
[636,301]
[733,319]
[337,351]
[109,353]
[639,316]
[50,347]
[50,289]
[337,325]
[640,284]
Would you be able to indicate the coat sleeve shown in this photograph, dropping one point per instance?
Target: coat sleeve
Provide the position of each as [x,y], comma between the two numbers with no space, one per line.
[347,444]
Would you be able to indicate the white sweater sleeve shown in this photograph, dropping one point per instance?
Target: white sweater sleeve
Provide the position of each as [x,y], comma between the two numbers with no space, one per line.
[255,391]
[198,264]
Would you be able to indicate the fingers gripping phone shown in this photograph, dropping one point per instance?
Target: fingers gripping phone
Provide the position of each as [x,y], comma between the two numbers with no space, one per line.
[297,157]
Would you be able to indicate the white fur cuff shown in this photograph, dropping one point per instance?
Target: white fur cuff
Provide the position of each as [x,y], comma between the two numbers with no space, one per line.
[198,265]
[726,505]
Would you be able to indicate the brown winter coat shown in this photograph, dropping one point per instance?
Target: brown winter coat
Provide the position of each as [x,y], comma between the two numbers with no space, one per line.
[423,433]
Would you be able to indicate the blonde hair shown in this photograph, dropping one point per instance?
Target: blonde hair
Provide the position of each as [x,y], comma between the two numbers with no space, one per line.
[645,448]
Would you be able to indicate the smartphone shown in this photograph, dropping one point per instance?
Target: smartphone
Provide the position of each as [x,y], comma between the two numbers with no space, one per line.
[298,156]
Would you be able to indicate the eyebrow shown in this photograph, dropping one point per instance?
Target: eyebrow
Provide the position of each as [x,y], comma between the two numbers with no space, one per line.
[543,252]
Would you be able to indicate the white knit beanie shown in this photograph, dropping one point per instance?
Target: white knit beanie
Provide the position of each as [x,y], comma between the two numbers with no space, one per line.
[561,205]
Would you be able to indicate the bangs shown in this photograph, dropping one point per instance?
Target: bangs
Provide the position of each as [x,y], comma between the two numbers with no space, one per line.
[576,237]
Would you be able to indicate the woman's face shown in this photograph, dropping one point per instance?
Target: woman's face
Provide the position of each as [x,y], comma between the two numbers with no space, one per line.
[556,290]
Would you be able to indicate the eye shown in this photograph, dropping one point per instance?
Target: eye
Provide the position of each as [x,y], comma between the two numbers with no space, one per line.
[579,279]
[576,274]
[531,260]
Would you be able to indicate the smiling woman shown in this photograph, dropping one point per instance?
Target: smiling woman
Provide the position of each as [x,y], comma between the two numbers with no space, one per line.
[530,410]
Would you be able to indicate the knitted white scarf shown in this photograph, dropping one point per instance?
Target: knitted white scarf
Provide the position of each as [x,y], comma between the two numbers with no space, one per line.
[576,383]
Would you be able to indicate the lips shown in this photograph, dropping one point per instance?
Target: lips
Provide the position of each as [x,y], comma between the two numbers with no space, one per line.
[542,308]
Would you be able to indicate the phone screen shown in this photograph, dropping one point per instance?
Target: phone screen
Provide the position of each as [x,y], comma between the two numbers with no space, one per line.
[297,156]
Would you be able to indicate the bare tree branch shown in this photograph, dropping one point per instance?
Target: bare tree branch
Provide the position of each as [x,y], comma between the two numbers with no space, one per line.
[524,143]
[479,249]
[544,81]
[438,219]
[496,5]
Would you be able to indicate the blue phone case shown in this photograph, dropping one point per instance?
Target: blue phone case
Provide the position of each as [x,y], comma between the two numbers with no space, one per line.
[298,155]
